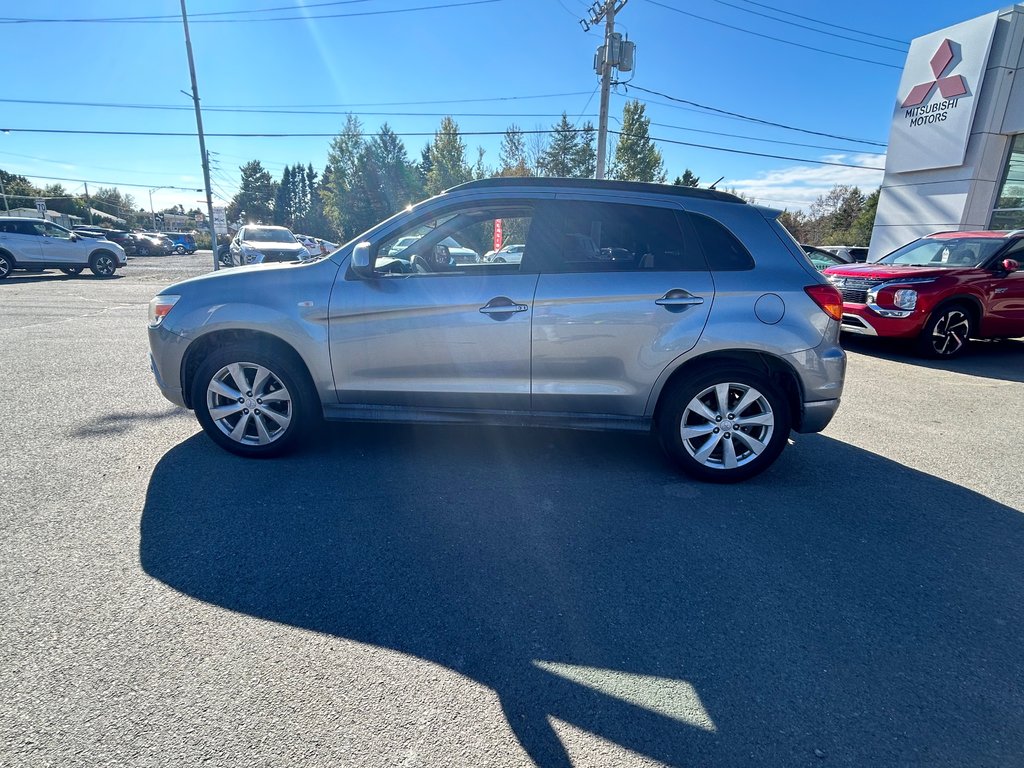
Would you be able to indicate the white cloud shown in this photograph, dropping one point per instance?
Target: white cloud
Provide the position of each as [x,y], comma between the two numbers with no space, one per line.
[798,186]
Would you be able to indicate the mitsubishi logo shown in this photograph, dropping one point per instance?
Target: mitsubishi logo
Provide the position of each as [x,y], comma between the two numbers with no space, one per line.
[950,87]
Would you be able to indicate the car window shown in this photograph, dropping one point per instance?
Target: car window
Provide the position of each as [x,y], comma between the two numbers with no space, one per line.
[614,237]
[454,243]
[724,251]
[945,252]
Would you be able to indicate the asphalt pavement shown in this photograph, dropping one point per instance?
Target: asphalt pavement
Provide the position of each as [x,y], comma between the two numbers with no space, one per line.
[456,596]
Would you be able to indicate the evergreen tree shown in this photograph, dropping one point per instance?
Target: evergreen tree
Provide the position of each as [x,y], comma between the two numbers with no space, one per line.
[636,157]
[448,165]
[687,179]
[255,195]
[512,156]
[584,161]
[342,157]
[559,159]
[399,180]
[282,200]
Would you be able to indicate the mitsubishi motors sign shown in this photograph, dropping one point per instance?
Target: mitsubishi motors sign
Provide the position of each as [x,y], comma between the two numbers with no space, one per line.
[938,96]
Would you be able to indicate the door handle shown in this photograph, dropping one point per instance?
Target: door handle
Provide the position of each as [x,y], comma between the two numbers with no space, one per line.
[502,305]
[678,298]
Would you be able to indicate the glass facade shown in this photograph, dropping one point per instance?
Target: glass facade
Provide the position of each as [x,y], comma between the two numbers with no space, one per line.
[1009,210]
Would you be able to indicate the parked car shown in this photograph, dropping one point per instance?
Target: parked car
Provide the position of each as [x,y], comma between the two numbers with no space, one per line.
[159,244]
[820,258]
[716,333]
[181,242]
[509,254]
[262,244]
[851,254]
[35,245]
[311,244]
[941,290]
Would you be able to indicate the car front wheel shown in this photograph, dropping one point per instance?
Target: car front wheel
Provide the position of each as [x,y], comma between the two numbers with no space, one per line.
[103,264]
[252,402]
[180,250]
[6,265]
[946,334]
[724,425]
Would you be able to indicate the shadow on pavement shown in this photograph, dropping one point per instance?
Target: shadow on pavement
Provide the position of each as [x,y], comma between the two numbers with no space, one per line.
[1003,359]
[872,614]
[22,278]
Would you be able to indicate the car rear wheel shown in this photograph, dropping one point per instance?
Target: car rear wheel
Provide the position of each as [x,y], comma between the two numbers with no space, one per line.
[6,265]
[724,425]
[71,270]
[947,333]
[180,250]
[252,402]
[103,264]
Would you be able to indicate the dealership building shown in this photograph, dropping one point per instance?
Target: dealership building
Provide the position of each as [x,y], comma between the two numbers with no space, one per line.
[955,159]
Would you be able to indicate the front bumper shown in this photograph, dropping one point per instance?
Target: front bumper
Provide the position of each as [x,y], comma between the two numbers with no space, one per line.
[166,352]
[861,319]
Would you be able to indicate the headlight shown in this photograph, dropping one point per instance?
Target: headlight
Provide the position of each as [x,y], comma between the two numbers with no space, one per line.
[905,298]
[159,306]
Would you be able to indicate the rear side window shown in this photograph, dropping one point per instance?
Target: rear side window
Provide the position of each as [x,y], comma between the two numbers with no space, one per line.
[724,251]
[614,237]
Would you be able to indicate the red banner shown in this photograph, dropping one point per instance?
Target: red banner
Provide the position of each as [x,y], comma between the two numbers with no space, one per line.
[497,234]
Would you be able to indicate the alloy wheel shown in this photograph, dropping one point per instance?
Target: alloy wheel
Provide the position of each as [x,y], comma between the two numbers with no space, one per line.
[727,425]
[951,332]
[249,403]
[104,265]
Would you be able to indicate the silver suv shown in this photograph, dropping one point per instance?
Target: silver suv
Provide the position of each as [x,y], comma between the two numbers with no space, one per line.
[634,306]
[36,244]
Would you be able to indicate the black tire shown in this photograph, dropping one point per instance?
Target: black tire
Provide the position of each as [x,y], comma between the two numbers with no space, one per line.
[6,265]
[103,264]
[947,332]
[499,260]
[143,251]
[264,433]
[180,250]
[749,447]
[72,271]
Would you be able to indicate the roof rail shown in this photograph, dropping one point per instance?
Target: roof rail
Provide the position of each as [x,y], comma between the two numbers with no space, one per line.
[502,182]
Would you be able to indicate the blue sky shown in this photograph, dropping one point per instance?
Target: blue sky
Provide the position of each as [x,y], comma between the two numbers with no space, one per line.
[480,59]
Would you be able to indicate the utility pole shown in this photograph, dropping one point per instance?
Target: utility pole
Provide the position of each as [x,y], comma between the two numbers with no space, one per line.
[4,193]
[609,56]
[152,212]
[202,140]
[88,202]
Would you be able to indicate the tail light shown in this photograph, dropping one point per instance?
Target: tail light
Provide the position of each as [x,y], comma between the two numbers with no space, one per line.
[828,298]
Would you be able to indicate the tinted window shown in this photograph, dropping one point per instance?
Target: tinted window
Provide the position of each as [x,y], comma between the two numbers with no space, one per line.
[723,250]
[611,237]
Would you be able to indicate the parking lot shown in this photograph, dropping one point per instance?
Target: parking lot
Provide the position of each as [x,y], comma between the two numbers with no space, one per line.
[456,596]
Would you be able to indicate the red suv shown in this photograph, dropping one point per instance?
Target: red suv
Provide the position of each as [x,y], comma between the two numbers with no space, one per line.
[941,290]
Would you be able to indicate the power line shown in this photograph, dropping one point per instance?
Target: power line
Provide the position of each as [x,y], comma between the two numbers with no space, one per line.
[770,37]
[753,138]
[104,183]
[753,119]
[827,23]
[79,132]
[812,29]
[194,15]
[752,154]
[164,20]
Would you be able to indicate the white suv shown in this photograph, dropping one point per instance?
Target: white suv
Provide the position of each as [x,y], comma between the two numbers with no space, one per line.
[35,245]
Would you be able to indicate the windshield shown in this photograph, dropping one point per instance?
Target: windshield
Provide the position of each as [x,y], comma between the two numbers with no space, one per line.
[269,235]
[947,252]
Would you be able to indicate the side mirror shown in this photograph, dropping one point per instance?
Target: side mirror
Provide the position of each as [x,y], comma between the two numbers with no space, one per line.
[361,260]
[75,238]
[1011,265]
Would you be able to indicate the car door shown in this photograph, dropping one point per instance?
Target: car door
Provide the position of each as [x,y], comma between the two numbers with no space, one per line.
[623,291]
[61,246]
[21,240]
[1004,294]
[426,332]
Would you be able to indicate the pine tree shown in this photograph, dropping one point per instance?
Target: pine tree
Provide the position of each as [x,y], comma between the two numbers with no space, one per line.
[559,159]
[584,160]
[399,180]
[687,179]
[255,196]
[512,156]
[636,157]
[342,157]
[282,200]
[447,158]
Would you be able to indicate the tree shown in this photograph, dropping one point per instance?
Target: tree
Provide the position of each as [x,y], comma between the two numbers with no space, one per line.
[560,156]
[636,157]
[687,179]
[860,231]
[447,158]
[255,195]
[584,160]
[282,200]
[342,157]
[512,156]
[399,180]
